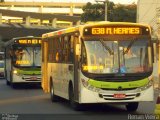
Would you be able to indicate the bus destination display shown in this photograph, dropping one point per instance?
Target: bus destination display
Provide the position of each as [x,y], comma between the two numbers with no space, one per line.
[116,30]
[28,41]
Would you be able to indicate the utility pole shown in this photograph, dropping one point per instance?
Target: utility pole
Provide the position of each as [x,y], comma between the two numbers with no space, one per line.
[105,2]
[106,7]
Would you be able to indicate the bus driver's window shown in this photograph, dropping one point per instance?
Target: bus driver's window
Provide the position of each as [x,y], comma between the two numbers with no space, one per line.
[19,53]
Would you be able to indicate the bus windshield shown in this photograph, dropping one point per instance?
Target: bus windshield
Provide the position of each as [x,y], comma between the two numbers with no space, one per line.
[102,56]
[26,56]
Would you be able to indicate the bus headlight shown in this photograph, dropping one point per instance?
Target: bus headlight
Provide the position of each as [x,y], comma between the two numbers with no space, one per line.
[85,83]
[150,83]
[89,87]
[15,72]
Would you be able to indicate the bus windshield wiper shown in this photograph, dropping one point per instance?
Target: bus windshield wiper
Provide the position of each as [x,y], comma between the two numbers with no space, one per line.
[27,51]
[106,47]
[129,47]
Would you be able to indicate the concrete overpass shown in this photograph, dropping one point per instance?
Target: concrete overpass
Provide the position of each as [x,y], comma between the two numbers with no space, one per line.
[69,8]
[41,16]
[10,30]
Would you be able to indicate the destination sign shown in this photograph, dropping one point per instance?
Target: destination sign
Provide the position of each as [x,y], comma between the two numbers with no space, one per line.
[28,41]
[22,62]
[116,30]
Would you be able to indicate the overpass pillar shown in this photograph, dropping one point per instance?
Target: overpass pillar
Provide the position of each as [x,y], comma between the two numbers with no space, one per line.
[71,10]
[39,22]
[10,7]
[71,24]
[40,9]
[78,22]
[54,22]
[28,20]
[0,18]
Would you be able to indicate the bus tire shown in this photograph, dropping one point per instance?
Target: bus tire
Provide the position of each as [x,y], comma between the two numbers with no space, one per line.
[54,98]
[7,82]
[13,85]
[132,106]
[76,106]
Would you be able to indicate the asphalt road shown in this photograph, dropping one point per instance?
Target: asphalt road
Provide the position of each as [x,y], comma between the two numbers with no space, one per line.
[30,102]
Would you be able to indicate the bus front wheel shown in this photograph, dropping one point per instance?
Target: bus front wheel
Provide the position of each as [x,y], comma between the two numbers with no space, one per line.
[7,82]
[73,103]
[132,106]
[54,98]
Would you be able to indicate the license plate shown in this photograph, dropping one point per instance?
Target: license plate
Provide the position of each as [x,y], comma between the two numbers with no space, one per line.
[33,78]
[119,95]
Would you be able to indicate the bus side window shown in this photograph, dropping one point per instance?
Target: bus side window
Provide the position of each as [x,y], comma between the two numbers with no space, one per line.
[55,49]
[59,49]
[71,42]
[68,48]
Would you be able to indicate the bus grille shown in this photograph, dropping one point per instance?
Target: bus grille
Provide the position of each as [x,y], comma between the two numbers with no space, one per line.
[119,89]
[31,78]
[111,96]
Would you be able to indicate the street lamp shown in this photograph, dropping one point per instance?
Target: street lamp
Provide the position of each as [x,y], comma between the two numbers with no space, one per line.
[105,3]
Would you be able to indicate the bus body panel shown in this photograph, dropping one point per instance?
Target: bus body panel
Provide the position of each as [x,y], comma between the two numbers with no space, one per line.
[8,69]
[88,96]
[91,94]
[61,76]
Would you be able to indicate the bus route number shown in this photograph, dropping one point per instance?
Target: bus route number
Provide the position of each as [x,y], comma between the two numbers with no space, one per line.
[98,31]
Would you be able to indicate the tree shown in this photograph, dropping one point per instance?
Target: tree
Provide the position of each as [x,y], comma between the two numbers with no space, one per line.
[92,12]
[116,12]
[124,13]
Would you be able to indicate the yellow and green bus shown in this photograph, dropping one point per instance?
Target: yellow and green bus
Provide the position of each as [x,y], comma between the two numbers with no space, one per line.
[23,60]
[103,62]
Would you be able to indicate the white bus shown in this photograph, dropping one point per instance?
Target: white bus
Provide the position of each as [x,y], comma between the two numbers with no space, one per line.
[2,75]
[23,60]
[103,62]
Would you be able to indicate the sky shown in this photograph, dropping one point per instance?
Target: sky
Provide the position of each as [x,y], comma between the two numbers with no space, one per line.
[115,1]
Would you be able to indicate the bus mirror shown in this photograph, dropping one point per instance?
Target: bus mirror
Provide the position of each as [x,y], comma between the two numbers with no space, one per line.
[78,49]
[11,53]
[76,34]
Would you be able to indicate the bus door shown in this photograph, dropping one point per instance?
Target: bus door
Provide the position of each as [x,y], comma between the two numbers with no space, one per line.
[45,81]
[76,69]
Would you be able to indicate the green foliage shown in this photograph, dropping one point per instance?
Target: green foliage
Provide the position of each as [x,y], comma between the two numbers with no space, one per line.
[116,12]
[93,12]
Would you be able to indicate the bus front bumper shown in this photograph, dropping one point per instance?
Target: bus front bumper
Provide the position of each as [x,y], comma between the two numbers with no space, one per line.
[106,96]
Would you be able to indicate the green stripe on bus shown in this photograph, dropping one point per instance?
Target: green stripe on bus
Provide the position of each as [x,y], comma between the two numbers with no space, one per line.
[131,84]
[27,72]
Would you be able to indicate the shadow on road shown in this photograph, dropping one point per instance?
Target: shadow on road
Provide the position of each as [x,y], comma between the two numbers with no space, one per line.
[22,86]
[102,109]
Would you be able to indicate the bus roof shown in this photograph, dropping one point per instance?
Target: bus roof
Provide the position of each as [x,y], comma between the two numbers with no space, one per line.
[59,32]
[89,24]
